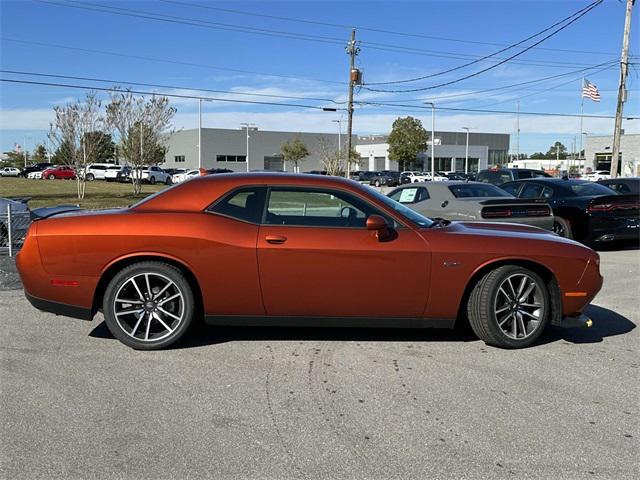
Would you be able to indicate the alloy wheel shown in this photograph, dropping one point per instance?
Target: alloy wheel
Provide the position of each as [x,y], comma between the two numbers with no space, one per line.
[558,229]
[519,306]
[149,306]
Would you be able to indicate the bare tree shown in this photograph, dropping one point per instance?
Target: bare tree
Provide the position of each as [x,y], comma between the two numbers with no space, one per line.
[333,161]
[142,128]
[75,131]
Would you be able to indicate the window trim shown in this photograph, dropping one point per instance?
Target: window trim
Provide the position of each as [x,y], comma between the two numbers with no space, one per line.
[230,193]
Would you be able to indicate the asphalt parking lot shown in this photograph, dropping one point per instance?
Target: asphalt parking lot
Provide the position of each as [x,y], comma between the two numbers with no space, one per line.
[323,403]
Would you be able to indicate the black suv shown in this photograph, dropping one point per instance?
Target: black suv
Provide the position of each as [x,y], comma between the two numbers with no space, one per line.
[37,167]
[498,176]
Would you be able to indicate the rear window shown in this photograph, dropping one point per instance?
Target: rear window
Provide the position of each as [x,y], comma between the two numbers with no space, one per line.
[587,189]
[496,177]
[471,190]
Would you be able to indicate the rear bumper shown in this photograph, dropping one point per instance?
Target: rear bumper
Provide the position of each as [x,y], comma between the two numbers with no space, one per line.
[576,321]
[606,229]
[56,308]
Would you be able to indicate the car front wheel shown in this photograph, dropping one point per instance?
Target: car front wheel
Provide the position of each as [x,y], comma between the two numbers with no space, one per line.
[148,305]
[51,177]
[509,307]
[90,177]
[152,180]
[168,181]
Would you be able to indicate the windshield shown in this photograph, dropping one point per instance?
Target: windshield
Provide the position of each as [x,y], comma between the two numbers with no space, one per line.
[412,215]
[471,190]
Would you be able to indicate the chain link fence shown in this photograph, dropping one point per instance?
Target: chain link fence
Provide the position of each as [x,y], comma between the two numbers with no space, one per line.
[13,229]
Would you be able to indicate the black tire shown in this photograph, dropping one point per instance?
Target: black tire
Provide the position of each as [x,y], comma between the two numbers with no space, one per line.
[152,180]
[165,337]
[168,181]
[90,177]
[377,183]
[51,177]
[562,227]
[481,309]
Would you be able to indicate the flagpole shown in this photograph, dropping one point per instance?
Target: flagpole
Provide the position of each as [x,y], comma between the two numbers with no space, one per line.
[581,116]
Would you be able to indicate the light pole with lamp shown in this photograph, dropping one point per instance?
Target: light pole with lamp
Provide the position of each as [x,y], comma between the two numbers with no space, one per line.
[199,134]
[246,126]
[433,139]
[466,154]
[339,122]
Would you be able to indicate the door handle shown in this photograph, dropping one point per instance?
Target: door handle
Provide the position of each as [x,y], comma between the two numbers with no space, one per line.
[275,239]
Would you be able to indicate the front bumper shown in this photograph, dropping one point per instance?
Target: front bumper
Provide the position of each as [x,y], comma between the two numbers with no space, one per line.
[576,321]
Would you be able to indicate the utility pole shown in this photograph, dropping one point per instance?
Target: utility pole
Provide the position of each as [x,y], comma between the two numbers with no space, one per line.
[518,132]
[354,79]
[199,133]
[433,139]
[622,91]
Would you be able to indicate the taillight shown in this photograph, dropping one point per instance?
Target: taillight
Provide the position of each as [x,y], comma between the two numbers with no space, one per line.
[502,213]
[515,212]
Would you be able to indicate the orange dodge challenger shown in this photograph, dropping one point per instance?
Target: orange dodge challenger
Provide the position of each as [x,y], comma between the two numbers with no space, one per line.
[278,249]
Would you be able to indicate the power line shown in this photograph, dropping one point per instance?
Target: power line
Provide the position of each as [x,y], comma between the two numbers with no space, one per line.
[474,74]
[168,61]
[171,95]
[369,29]
[155,85]
[570,19]
[296,105]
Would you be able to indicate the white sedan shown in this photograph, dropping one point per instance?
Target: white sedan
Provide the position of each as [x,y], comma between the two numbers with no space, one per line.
[597,175]
[35,175]
[181,177]
[415,176]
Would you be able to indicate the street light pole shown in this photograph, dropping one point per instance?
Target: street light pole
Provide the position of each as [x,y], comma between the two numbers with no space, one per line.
[433,139]
[339,122]
[247,125]
[466,155]
[199,133]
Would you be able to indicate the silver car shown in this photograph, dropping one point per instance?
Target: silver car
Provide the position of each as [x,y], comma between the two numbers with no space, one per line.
[473,201]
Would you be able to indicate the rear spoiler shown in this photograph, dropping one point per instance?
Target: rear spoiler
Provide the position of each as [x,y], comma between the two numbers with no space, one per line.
[47,212]
[512,201]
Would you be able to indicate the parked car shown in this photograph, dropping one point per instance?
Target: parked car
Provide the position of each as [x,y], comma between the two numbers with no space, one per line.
[19,229]
[498,176]
[437,176]
[10,172]
[414,176]
[625,185]
[111,173]
[386,178]
[174,171]
[215,171]
[150,292]
[472,201]
[181,177]
[98,171]
[59,172]
[583,210]
[597,175]
[37,175]
[151,174]
[36,167]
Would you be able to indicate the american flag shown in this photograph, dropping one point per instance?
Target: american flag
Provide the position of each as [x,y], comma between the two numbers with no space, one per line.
[589,90]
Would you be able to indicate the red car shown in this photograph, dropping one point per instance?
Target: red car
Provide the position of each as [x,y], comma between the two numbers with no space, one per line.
[66,173]
[281,249]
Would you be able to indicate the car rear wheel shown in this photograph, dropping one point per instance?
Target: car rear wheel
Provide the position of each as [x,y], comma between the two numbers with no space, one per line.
[562,227]
[148,305]
[509,307]
[377,183]
[90,177]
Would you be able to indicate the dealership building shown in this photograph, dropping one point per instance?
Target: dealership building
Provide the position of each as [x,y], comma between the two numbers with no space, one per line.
[226,148]
[598,153]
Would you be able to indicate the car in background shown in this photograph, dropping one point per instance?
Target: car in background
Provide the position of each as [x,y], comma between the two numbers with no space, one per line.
[437,176]
[97,171]
[181,177]
[19,228]
[111,173]
[585,211]
[472,201]
[414,176]
[156,268]
[150,174]
[215,171]
[625,185]
[498,176]
[175,171]
[62,172]
[597,175]
[10,172]
[36,167]
[37,175]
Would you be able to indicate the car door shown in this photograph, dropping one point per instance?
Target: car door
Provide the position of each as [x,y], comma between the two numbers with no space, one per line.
[316,258]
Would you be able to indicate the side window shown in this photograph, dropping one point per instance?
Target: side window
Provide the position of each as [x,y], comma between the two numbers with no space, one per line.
[532,190]
[410,195]
[547,192]
[244,204]
[512,188]
[316,208]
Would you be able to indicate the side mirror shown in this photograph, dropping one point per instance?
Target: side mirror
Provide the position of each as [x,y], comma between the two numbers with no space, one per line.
[379,225]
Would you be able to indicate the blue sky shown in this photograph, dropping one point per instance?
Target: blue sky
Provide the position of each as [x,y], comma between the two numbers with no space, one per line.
[217,57]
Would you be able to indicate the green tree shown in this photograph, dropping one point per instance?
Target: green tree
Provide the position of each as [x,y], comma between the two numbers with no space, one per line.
[102,146]
[15,159]
[39,154]
[407,139]
[557,150]
[294,152]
